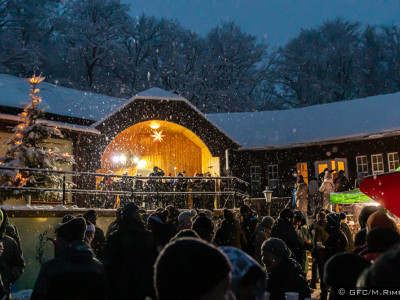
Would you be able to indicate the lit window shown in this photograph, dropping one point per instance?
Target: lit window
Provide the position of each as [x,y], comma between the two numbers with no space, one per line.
[302,170]
[377,164]
[393,161]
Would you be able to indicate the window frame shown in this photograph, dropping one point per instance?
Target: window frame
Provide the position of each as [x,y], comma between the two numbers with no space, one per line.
[393,161]
[380,171]
[365,172]
[273,182]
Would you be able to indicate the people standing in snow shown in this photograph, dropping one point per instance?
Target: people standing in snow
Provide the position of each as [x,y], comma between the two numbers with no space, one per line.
[248,226]
[301,196]
[263,232]
[189,268]
[284,273]
[129,256]
[99,239]
[230,233]
[11,261]
[283,229]
[185,219]
[313,196]
[327,188]
[74,273]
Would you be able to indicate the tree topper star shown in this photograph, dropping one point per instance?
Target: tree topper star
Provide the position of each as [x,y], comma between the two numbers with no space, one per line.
[158,136]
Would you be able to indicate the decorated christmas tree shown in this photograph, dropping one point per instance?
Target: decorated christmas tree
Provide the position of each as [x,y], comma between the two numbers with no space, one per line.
[28,148]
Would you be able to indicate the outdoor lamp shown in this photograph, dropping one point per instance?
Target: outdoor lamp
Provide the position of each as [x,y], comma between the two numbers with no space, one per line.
[268,198]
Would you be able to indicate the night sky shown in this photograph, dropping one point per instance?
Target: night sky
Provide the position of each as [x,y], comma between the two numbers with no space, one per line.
[275,21]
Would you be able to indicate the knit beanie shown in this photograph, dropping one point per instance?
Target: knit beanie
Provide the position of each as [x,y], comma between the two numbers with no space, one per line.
[333,221]
[343,270]
[73,230]
[267,221]
[365,213]
[67,218]
[380,219]
[276,247]
[286,214]
[189,268]
[187,216]
[203,224]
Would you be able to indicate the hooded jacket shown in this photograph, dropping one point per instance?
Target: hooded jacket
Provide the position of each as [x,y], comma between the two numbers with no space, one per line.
[73,274]
[286,277]
[11,261]
[230,233]
[284,230]
[128,259]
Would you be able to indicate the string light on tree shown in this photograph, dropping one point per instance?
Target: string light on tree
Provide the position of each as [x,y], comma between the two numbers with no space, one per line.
[157,135]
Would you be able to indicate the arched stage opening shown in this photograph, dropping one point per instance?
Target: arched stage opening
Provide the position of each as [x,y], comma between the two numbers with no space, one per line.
[169,146]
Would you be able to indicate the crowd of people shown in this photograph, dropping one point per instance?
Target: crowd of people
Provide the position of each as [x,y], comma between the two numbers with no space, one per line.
[155,187]
[195,254]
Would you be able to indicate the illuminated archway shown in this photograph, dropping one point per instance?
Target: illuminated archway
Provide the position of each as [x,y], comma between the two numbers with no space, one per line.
[137,150]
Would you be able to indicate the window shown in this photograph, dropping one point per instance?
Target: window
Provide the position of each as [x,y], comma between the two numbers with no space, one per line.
[362,165]
[377,164]
[255,180]
[393,161]
[302,170]
[273,178]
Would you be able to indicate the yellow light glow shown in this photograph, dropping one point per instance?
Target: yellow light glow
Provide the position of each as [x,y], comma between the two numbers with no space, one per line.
[141,164]
[155,126]
[42,219]
[36,79]
[158,136]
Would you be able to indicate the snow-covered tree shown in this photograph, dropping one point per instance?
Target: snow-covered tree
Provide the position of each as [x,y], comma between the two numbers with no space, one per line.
[28,148]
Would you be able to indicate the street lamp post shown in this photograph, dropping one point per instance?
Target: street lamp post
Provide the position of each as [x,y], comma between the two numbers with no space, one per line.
[268,198]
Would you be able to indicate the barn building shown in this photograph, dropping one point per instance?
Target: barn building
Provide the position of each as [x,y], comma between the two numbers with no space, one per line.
[160,128]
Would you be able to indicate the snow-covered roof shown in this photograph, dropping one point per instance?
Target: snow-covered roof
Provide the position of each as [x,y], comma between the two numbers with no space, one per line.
[354,119]
[61,125]
[14,91]
[156,93]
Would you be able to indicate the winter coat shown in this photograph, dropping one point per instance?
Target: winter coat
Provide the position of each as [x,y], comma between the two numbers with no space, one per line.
[128,259]
[327,188]
[301,197]
[11,230]
[11,261]
[73,274]
[347,232]
[230,234]
[98,243]
[262,234]
[343,184]
[284,230]
[249,229]
[336,243]
[162,233]
[286,277]
[313,188]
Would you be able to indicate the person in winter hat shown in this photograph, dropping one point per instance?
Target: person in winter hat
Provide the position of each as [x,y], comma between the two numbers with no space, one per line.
[185,219]
[347,231]
[337,241]
[129,256]
[193,269]
[99,240]
[361,236]
[284,273]
[74,273]
[248,277]
[327,188]
[173,215]
[186,233]
[283,229]
[89,234]
[204,227]
[162,231]
[10,229]
[230,233]
[379,240]
[380,219]
[248,226]
[342,271]
[263,231]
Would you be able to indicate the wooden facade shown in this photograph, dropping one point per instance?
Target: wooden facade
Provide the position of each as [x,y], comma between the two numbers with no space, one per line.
[287,161]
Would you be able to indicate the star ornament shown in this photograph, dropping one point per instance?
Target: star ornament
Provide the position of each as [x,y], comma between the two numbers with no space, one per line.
[157,135]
